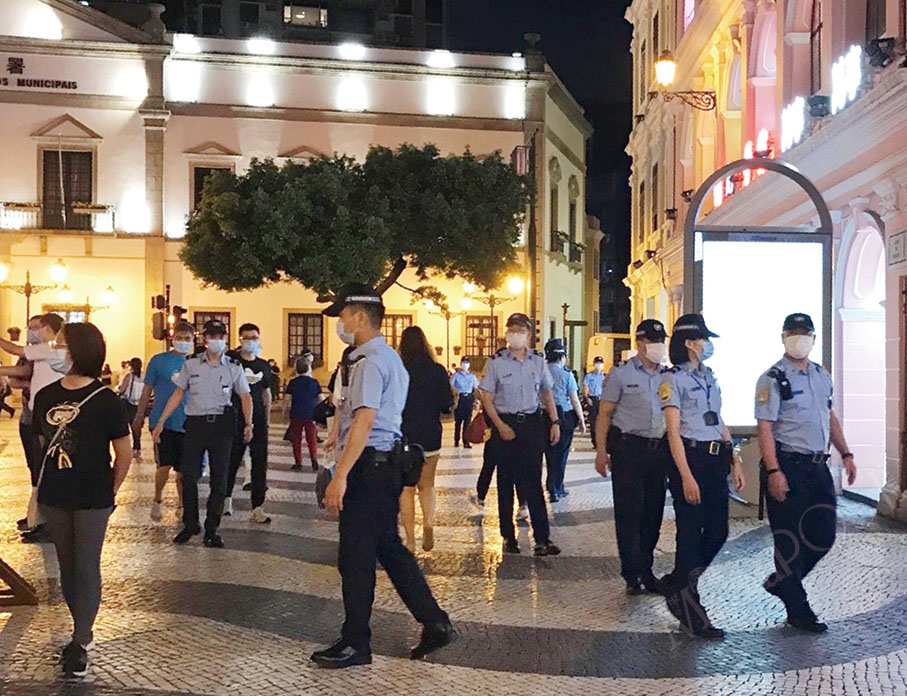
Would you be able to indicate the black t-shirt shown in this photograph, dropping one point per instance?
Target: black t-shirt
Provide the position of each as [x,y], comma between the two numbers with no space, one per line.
[258,373]
[77,473]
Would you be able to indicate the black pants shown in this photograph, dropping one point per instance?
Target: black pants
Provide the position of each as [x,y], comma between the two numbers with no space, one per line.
[6,407]
[32,447]
[803,525]
[462,416]
[215,435]
[258,453]
[701,529]
[638,477]
[131,411]
[594,403]
[368,532]
[519,465]
[556,455]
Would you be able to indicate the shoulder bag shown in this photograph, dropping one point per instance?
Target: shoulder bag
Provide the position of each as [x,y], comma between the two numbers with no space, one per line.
[478,431]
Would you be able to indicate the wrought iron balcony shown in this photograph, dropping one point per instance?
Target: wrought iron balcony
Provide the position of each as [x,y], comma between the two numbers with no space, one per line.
[94,217]
[576,252]
[559,241]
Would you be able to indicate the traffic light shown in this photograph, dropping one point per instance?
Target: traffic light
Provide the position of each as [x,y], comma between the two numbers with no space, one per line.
[159,326]
[158,302]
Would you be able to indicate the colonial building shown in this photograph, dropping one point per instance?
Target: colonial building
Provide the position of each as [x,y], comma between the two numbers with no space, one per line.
[110,129]
[821,85]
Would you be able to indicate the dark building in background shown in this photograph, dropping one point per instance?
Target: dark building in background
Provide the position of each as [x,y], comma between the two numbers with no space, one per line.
[615,254]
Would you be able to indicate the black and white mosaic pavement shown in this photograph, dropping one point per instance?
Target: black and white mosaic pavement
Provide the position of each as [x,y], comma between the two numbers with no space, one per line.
[243,620]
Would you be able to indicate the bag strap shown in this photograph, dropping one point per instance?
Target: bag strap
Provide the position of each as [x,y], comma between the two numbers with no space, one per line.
[61,428]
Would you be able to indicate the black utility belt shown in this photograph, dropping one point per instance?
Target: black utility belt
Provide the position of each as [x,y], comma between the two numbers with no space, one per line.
[211,417]
[714,448]
[647,442]
[372,457]
[594,398]
[511,418]
[801,457]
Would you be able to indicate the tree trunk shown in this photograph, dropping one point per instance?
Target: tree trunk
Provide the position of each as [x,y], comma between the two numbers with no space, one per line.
[395,272]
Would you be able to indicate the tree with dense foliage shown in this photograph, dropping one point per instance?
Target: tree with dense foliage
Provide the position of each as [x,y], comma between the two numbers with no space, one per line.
[335,220]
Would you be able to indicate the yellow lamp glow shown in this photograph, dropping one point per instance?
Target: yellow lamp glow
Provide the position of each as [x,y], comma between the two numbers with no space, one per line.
[58,271]
[429,304]
[65,294]
[515,285]
[466,303]
[109,296]
[665,69]
[4,272]
[468,287]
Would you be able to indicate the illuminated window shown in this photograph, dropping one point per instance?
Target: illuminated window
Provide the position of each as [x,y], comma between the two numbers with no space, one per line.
[392,327]
[63,186]
[199,319]
[304,331]
[72,314]
[481,333]
[815,49]
[199,173]
[304,16]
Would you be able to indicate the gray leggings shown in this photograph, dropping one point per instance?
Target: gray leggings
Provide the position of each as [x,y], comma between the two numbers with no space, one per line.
[78,536]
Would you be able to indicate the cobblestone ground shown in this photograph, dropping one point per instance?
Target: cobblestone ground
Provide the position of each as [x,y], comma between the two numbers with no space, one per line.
[243,620]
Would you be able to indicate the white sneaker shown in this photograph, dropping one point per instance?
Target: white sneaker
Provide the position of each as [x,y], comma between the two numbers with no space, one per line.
[522,513]
[228,506]
[259,517]
[477,501]
[156,513]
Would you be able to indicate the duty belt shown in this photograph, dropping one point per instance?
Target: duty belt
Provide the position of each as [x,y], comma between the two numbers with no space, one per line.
[372,457]
[648,442]
[518,417]
[808,457]
[711,447]
[209,417]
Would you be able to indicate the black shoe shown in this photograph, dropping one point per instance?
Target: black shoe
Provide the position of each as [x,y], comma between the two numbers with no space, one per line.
[810,624]
[434,638]
[546,549]
[708,631]
[563,492]
[652,585]
[466,445]
[296,467]
[314,465]
[213,541]
[75,661]
[511,546]
[341,655]
[38,535]
[553,497]
[22,525]
[634,588]
[185,535]
[247,486]
[771,587]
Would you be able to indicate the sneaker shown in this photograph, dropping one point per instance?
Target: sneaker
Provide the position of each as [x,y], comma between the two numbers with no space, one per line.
[259,517]
[476,501]
[522,513]
[71,645]
[75,661]
[156,513]
[228,507]
[546,549]
[511,546]
[552,497]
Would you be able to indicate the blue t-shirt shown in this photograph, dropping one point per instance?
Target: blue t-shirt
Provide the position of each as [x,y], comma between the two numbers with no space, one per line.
[304,392]
[160,375]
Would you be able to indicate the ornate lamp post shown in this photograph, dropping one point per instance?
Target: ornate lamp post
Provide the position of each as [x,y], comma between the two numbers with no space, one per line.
[57,274]
[665,70]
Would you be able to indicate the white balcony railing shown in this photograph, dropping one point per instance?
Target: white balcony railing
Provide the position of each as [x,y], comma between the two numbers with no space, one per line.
[94,217]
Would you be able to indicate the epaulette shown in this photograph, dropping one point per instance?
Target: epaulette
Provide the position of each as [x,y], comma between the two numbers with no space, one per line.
[672,369]
[499,353]
[538,353]
[234,360]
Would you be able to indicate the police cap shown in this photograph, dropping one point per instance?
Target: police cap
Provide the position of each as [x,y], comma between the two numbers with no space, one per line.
[214,327]
[353,294]
[519,319]
[554,349]
[692,326]
[799,321]
[651,329]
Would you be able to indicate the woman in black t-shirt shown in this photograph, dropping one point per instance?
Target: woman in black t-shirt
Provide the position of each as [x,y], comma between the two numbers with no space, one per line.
[77,419]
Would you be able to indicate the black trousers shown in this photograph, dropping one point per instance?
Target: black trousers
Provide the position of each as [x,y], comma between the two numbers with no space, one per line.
[556,455]
[462,416]
[368,533]
[32,446]
[803,526]
[213,435]
[519,465]
[131,411]
[594,403]
[258,453]
[638,476]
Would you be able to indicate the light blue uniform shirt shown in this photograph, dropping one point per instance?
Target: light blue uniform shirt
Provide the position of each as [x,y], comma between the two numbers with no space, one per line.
[210,387]
[378,381]
[634,393]
[694,392]
[161,375]
[464,382]
[594,381]
[516,385]
[801,424]
[564,386]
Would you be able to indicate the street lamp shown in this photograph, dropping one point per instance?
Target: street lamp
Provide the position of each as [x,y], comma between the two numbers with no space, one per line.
[28,289]
[109,296]
[58,272]
[65,294]
[466,304]
[665,72]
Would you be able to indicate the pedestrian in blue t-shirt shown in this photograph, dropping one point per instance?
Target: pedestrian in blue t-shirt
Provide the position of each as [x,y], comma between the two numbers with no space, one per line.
[304,391]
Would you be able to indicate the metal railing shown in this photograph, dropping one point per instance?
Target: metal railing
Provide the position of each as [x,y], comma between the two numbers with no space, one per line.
[576,252]
[558,242]
[18,215]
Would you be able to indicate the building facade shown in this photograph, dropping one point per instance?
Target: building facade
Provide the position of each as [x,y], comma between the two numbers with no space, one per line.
[110,131]
[821,85]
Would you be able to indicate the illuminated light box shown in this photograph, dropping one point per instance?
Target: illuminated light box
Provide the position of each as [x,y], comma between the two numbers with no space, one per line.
[749,283]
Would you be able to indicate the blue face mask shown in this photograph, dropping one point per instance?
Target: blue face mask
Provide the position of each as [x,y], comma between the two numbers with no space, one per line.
[33,337]
[183,347]
[252,345]
[708,350]
[216,345]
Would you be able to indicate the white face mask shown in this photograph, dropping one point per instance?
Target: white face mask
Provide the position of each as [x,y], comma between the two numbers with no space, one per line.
[516,340]
[347,337]
[657,352]
[59,361]
[798,347]
[599,367]
[465,367]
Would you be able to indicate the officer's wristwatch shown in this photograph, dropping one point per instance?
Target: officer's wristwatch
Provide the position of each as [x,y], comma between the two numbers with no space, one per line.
[556,422]
[846,455]
[769,472]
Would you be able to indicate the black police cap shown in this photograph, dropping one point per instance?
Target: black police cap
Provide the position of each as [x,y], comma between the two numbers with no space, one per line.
[651,329]
[519,319]
[213,327]
[554,348]
[693,326]
[353,294]
[799,321]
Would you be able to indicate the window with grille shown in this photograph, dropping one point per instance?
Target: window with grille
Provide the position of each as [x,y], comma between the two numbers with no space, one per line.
[71,314]
[200,318]
[392,327]
[815,48]
[304,331]
[481,335]
[305,16]
[199,174]
[64,186]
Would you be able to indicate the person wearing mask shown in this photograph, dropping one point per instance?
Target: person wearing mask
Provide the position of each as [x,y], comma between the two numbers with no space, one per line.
[78,420]
[632,446]
[569,413]
[366,486]
[464,384]
[516,383]
[304,393]
[257,372]
[703,456]
[209,379]
[795,425]
[162,370]
[130,390]
[429,396]
[592,390]
[38,363]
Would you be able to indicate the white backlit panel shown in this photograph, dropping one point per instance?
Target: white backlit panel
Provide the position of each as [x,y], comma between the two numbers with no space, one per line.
[748,288]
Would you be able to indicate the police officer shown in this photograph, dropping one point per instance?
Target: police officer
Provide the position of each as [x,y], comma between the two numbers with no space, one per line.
[367,485]
[257,373]
[464,385]
[210,379]
[569,413]
[516,382]
[796,423]
[703,456]
[592,390]
[631,433]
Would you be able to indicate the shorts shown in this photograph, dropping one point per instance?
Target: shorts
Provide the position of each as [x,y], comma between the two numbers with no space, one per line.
[169,452]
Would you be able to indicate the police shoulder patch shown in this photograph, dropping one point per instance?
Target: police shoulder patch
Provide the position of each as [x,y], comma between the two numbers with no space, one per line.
[762,396]
[664,392]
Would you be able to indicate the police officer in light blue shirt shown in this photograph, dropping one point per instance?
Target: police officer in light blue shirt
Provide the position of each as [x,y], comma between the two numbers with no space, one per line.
[570,414]
[796,424]
[464,384]
[592,388]
[366,487]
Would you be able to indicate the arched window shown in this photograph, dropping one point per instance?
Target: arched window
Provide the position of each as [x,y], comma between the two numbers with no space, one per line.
[815,48]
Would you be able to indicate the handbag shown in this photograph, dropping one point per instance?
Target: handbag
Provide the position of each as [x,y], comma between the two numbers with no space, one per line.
[34,515]
[322,481]
[478,431]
